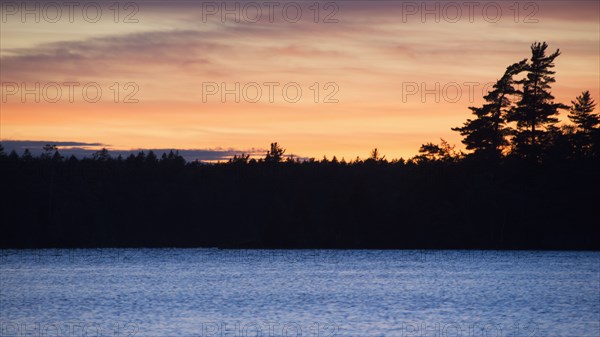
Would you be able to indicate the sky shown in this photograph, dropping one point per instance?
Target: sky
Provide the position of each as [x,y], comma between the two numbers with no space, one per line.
[320,78]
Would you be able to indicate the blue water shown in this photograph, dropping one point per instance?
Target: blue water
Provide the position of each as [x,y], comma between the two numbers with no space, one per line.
[209,292]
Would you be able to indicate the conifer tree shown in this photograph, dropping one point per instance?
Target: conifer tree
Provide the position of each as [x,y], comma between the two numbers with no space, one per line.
[581,113]
[275,155]
[486,134]
[586,124]
[535,112]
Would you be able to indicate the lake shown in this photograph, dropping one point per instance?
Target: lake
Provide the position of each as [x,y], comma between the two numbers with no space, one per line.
[211,292]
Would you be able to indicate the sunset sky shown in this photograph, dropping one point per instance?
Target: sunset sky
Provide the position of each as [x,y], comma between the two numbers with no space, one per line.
[369,57]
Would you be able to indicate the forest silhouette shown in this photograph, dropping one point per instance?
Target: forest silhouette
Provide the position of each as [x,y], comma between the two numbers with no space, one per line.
[526,182]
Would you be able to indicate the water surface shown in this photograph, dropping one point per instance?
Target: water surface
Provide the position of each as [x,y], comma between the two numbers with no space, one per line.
[210,292]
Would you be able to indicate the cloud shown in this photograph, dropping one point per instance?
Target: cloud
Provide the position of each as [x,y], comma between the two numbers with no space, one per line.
[190,51]
[23,144]
[86,150]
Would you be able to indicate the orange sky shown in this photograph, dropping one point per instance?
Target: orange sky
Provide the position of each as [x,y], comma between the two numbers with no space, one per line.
[374,51]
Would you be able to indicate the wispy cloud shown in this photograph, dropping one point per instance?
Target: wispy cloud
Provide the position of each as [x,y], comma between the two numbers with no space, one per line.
[86,150]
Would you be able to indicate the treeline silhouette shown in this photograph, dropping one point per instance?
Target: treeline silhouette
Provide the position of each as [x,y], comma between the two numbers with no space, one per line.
[526,183]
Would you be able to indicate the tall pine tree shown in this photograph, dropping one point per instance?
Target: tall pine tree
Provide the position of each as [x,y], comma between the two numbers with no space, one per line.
[585,138]
[581,113]
[486,134]
[535,112]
